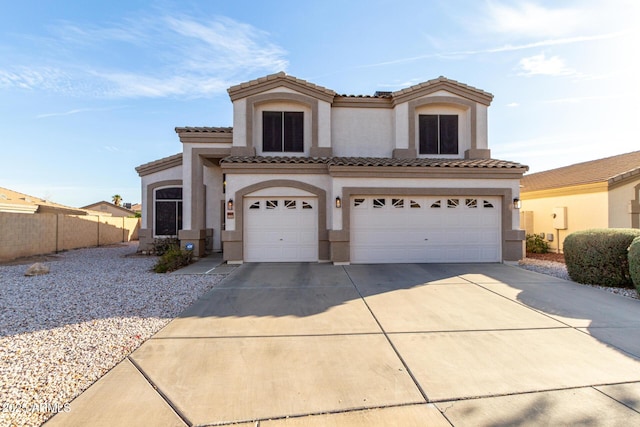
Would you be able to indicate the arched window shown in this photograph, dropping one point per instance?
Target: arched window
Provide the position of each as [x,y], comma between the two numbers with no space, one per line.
[168,211]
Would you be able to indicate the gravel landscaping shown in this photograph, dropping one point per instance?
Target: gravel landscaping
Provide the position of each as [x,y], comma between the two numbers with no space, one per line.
[558,269]
[62,331]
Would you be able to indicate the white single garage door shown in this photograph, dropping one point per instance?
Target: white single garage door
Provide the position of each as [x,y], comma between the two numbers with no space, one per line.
[387,229]
[280,229]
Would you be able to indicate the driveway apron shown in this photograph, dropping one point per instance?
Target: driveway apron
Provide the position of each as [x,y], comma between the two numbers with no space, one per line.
[398,344]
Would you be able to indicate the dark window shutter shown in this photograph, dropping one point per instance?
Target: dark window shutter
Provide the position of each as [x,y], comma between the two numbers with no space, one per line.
[272,131]
[173,193]
[428,130]
[448,134]
[166,219]
[293,132]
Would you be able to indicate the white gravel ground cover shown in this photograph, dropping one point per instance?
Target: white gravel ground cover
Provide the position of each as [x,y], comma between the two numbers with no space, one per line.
[558,269]
[62,331]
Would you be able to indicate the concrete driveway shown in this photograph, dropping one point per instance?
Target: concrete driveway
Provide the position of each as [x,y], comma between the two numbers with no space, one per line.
[363,345]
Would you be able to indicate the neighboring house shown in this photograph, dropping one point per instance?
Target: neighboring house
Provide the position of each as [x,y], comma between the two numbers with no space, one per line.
[308,175]
[110,209]
[136,207]
[602,193]
[15,202]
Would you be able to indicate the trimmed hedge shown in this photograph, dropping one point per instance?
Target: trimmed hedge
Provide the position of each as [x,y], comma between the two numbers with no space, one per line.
[600,256]
[634,262]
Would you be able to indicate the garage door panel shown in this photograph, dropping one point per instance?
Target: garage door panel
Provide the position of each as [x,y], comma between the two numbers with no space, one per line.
[425,229]
[280,229]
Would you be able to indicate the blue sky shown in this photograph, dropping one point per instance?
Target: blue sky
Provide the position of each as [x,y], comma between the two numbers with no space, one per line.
[91,89]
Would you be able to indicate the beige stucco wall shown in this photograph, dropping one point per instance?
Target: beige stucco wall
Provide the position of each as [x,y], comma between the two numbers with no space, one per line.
[619,199]
[362,132]
[24,235]
[584,211]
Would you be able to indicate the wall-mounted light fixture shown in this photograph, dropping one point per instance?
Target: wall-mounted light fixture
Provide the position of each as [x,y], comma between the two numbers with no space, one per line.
[230,205]
[517,203]
[338,203]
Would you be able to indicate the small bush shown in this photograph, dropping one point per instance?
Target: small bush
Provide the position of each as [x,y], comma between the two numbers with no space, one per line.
[536,244]
[173,259]
[599,256]
[634,262]
[161,246]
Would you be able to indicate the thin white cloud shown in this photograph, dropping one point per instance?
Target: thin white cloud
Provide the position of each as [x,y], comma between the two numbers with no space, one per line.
[581,99]
[504,48]
[31,78]
[513,104]
[541,65]
[530,19]
[167,56]
[75,111]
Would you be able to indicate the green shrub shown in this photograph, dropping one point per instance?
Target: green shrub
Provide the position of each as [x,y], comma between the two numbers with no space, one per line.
[599,256]
[160,246]
[536,244]
[634,262]
[173,259]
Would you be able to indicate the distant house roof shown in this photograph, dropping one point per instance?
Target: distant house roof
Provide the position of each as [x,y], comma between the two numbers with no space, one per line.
[104,205]
[14,201]
[609,170]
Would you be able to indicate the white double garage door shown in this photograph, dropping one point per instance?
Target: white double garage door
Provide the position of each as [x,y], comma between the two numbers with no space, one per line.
[383,229]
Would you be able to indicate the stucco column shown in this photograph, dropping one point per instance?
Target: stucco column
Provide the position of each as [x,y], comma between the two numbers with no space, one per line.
[194,204]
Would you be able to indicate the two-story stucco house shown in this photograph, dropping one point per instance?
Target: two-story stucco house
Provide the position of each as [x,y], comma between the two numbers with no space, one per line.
[309,175]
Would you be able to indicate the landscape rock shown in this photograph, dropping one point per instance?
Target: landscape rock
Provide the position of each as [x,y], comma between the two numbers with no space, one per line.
[37,269]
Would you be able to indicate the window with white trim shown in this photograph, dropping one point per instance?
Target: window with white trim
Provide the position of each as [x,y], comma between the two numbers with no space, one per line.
[168,211]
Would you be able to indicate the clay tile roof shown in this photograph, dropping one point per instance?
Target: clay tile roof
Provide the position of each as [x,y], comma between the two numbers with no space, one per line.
[431,163]
[204,129]
[160,164]
[274,160]
[609,169]
[377,162]
[281,76]
[456,86]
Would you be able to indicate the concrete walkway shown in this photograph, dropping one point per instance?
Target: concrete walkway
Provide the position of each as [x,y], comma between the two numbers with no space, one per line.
[378,345]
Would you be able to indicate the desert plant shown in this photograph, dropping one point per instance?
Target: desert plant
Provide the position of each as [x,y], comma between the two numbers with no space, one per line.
[599,256]
[536,244]
[173,259]
[634,262]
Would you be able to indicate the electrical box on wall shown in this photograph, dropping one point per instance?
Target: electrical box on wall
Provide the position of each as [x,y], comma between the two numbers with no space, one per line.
[560,218]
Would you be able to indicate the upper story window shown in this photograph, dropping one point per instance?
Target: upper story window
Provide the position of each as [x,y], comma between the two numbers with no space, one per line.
[168,211]
[438,133]
[283,131]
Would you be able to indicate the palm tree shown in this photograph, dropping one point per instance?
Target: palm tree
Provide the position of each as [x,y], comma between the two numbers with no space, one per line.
[116,198]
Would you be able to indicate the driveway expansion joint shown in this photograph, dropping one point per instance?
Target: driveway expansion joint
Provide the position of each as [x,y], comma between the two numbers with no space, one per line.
[386,336]
[164,397]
